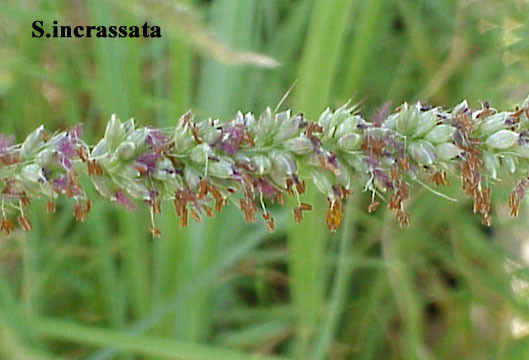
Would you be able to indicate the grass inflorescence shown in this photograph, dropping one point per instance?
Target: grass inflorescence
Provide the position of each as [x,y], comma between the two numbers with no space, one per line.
[250,161]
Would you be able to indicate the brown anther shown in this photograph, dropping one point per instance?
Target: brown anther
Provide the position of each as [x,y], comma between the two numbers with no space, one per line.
[174,161]
[248,139]
[186,118]
[514,204]
[324,163]
[248,182]
[155,232]
[474,142]
[142,170]
[288,184]
[50,206]
[301,187]
[373,146]
[10,158]
[183,218]
[90,167]
[179,204]
[279,198]
[373,206]
[195,215]
[214,192]
[482,202]
[270,225]
[477,203]
[403,191]
[219,204]
[313,127]
[404,163]
[393,174]
[248,166]
[81,152]
[202,189]
[165,148]
[516,115]
[305,207]
[194,131]
[395,201]
[439,178]
[79,211]
[73,187]
[485,113]
[298,211]
[98,169]
[269,222]
[298,214]
[209,211]
[88,205]
[44,135]
[334,214]
[24,200]
[6,226]
[341,191]
[485,195]
[315,141]
[249,209]
[464,120]
[94,168]
[156,206]
[403,218]
[24,223]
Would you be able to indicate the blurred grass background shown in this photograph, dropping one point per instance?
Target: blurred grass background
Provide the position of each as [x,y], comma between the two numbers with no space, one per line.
[444,288]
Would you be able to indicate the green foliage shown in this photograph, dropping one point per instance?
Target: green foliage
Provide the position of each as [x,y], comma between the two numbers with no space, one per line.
[441,289]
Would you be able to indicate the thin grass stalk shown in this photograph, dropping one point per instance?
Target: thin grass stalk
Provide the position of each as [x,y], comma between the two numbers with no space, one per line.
[167,256]
[118,67]
[292,31]
[307,243]
[407,299]
[366,32]
[410,12]
[339,291]
[106,268]
[220,87]
[167,250]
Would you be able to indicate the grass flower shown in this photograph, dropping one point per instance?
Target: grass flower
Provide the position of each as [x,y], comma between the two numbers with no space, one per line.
[201,165]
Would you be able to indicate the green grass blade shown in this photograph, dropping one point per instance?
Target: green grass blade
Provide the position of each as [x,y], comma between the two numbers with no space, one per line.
[248,242]
[140,345]
[364,41]
[118,67]
[339,291]
[222,89]
[307,241]
[14,319]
